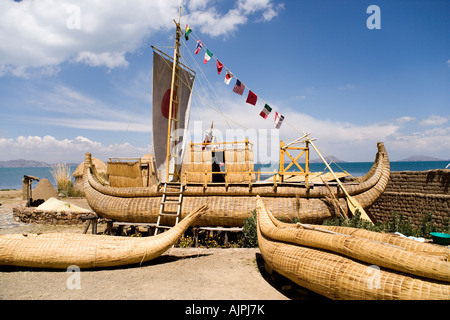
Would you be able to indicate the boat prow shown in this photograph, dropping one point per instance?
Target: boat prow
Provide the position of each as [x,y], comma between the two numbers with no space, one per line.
[350,265]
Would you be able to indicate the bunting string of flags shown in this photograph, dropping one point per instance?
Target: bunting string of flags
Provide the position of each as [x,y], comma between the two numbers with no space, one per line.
[239,87]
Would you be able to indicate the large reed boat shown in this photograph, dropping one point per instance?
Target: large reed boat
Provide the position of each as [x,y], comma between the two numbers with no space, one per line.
[164,187]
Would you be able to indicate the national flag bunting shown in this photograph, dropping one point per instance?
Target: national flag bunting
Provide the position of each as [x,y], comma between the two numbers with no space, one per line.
[186,33]
[278,120]
[198,47]
[219,66]
[239,87]
[208,55]
[228,77]
[266,111]
[251,98]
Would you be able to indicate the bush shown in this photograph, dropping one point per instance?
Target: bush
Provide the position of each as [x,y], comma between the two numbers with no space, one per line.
[249,231]
[186,242]
[398,223]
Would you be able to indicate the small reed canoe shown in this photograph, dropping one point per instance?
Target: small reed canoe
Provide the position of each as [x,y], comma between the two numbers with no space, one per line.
[61,250]
[343,264]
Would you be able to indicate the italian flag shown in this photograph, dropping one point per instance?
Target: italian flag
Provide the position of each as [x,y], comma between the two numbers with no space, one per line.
[208,55]
[266,111]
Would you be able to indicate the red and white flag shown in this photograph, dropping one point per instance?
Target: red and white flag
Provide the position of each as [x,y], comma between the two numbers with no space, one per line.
[278,120]
[198,47]
[228,77]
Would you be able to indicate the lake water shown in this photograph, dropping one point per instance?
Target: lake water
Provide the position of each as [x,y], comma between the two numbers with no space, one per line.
[11,178]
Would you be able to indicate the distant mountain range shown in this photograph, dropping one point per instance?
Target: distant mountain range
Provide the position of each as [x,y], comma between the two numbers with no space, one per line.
[22,163]
[422,158]
[329,159]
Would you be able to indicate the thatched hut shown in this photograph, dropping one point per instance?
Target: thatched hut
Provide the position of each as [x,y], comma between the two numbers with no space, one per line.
[100,166]
[131,172]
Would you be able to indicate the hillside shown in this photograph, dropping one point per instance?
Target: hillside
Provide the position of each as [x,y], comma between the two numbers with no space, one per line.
[18,163]
[421,158]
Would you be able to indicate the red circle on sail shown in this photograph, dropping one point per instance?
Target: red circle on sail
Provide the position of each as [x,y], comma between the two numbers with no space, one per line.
[165,103]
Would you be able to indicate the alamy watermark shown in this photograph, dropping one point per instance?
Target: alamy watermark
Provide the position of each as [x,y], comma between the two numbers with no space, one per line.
[374,279]
[265,142]
[73,22]
[74,279]
[374,20]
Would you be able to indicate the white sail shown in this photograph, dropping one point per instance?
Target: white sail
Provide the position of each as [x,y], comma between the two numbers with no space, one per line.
[162,78]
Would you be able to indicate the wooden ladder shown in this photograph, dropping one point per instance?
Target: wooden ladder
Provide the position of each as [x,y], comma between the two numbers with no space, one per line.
[170,198]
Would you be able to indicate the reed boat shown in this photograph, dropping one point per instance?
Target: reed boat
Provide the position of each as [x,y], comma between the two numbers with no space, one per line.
[351,264]
[231,204]
[179,176]
[61,250]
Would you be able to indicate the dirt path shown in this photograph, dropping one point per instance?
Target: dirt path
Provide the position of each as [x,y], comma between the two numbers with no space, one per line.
[180,273]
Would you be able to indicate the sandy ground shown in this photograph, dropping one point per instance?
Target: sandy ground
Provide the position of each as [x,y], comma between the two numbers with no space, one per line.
[180,273]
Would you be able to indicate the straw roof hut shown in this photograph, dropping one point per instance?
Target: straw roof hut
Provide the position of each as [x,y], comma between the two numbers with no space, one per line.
[131,172]
[100,166]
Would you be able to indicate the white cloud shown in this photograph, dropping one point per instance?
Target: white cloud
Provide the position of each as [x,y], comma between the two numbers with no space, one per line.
[111,60]
[348,141]
[433,142]
[37,36]
[52,150]
[434,120]
[65,107]
[405,119]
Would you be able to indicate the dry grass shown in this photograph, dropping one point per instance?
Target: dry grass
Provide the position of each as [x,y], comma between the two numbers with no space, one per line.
[62,175]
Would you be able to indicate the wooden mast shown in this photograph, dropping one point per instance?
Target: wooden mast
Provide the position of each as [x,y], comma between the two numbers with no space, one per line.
[173,118]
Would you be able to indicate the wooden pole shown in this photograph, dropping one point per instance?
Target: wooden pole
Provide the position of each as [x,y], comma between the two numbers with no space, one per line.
[281,171]
[173,95]
[353,204]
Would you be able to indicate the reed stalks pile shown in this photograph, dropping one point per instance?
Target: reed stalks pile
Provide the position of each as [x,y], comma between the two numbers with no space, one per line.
[62,175]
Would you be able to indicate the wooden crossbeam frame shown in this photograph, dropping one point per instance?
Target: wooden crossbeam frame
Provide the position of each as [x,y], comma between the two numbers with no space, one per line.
[284,150]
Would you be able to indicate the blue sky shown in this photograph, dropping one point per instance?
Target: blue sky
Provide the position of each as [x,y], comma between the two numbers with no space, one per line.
[75,76]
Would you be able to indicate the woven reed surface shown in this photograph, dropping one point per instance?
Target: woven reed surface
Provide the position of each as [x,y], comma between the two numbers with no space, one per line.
[337,276]
[60,250]
[124,174]
[364,249]
[224,211]
[443,253]
[231,206]
[378,177]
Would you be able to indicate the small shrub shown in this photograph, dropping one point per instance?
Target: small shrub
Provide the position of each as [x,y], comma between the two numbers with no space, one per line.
[250,239]
[398,223]
[211,241]
[186,242]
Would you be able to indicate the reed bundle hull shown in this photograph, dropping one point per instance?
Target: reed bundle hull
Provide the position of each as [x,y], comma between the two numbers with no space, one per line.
[345,266]
[231,204]
[61,250]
